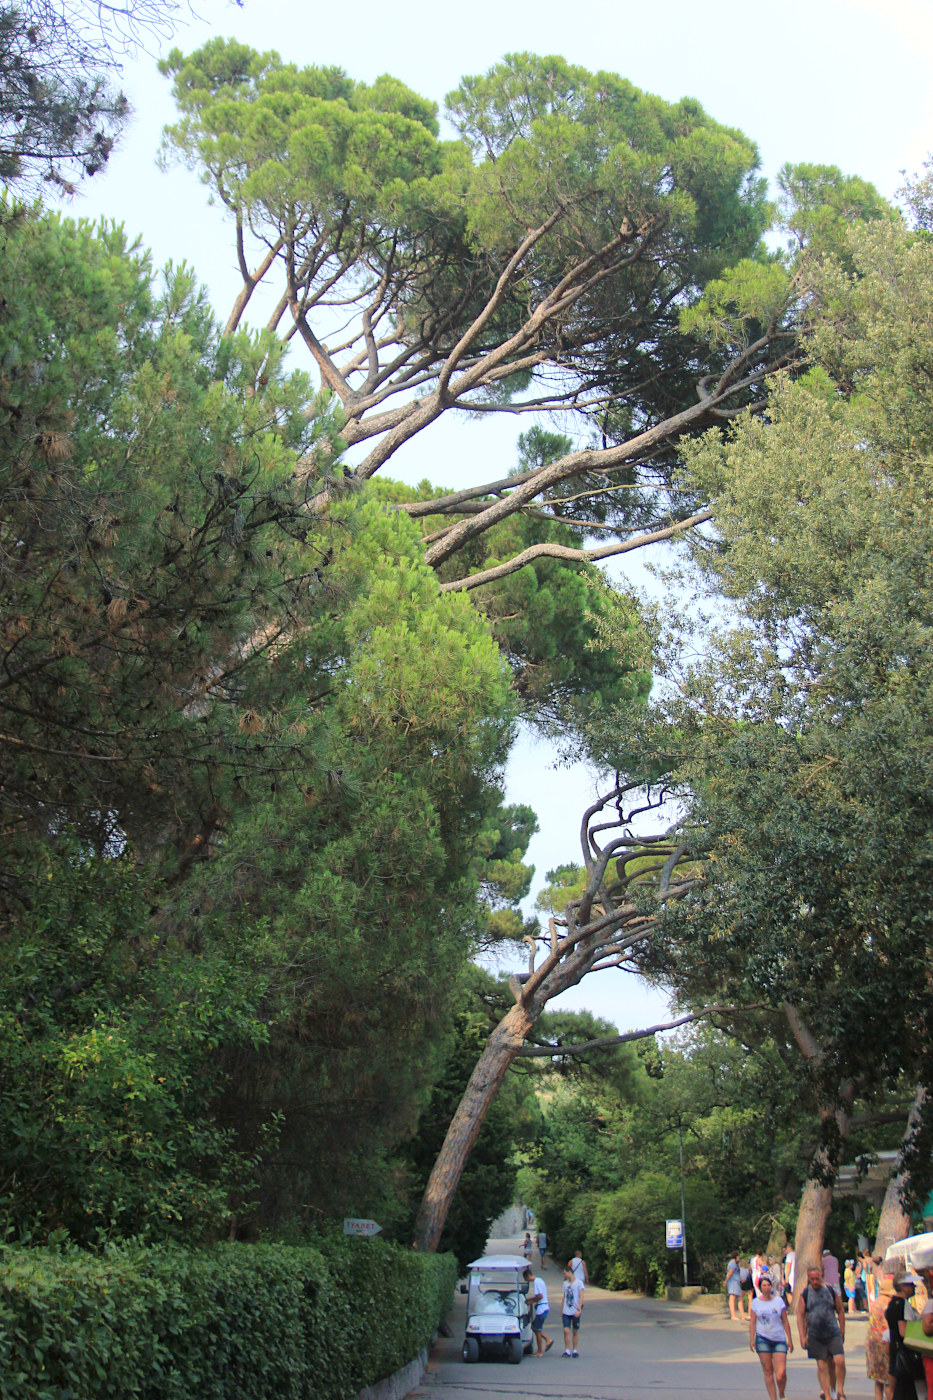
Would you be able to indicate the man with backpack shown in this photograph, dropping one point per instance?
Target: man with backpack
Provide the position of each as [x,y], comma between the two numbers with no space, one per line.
[821,1325]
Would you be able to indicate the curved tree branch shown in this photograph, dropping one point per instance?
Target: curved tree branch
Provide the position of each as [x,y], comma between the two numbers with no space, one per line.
[576,556]
[542,1051]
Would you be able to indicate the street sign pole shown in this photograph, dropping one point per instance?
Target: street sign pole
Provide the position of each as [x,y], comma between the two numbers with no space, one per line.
[683,1201]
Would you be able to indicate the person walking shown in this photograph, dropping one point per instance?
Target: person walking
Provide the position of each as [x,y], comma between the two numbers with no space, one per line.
[542,1245]
[862,1270]
[527,1246]
[538,1300]
[769,1335]
[578,1264]
[821,1326]
[830,1269]
[758,1262]
[790,1265]
[848,1283]
[876,1336]
[926,1324]
[734,1289]
[903,1363]
[571,1308]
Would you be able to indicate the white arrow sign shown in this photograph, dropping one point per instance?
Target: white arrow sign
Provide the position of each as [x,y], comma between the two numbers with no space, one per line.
[353,1226]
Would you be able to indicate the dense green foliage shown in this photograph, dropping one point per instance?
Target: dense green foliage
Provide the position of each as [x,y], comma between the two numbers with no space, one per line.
[332,172]
[253,758]
[354,895]
[799,743]
[232,1323]
[106,1085]
[152,522]
[547,617]
[808,734]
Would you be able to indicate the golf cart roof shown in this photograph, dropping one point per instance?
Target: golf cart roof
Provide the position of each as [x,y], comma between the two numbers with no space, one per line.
[916,1250]
[508,1263]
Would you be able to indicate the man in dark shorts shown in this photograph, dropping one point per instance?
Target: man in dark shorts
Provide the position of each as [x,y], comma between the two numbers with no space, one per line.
[821,1325]
[538,1302]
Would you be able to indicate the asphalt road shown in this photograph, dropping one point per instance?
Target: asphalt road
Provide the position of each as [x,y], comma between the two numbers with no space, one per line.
[630,1347]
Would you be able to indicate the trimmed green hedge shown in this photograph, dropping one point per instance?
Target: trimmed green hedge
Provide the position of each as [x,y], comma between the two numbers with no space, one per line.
[236,1322]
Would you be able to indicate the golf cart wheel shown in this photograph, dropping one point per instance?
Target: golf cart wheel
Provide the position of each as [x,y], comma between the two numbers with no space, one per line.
[515,1351]
[470,1349]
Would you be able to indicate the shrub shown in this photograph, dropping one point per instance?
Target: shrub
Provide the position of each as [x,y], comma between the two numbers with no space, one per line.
[235,1322]
[630,1227]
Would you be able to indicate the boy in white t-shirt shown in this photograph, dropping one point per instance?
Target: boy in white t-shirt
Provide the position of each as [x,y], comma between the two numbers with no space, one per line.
[538,1302]
[570,1311]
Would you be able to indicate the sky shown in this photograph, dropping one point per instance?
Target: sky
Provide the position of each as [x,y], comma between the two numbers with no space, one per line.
[842,82]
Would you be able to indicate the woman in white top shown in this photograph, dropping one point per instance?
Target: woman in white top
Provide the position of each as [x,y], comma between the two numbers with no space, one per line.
[769,1335]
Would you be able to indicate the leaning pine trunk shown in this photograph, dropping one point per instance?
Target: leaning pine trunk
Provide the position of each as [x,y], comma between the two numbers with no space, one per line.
[607,935]
[491,1068]
[895,1222]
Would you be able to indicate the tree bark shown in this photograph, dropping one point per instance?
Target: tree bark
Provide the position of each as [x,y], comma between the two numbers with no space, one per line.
[895,1222]
[500,1050]
[816,1200]
[815,1204]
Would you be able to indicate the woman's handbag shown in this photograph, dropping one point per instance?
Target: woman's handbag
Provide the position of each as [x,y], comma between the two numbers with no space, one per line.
[915,1338]
[907,1365]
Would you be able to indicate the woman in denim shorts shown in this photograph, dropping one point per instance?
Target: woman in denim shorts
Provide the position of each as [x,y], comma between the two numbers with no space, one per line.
[769,1335]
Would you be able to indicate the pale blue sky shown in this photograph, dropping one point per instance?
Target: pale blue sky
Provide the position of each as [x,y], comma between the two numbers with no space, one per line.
[846,82]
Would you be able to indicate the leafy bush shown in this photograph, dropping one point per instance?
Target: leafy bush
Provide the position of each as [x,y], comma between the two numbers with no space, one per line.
[105,1099]
[630,1227]
[235,1322]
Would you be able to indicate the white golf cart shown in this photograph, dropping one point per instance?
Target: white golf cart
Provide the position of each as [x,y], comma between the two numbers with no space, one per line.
[498,1312]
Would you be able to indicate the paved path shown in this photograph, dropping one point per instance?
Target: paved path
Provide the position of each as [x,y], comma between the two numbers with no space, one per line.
[631,1347]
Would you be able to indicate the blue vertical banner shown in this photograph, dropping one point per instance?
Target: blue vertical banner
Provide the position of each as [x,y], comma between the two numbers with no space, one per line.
[675,1234]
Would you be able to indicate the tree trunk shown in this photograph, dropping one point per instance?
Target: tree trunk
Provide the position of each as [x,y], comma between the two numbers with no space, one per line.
[895,1222]
[815,1204]
[491,1068]
[816,1200]
[598,933]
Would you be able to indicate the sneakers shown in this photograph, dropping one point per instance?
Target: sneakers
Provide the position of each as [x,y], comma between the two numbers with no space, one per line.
[565,1353]
[574,1353]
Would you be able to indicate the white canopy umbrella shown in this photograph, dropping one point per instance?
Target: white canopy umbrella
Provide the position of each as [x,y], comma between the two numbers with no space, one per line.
[916,1252]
